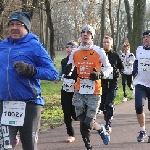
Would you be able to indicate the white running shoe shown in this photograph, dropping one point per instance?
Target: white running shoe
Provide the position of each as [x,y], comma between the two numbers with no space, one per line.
[124,99]
[70,139]
[99,112]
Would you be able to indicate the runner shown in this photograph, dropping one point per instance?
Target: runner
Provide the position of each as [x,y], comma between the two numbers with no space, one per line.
[87,58]
[141,71]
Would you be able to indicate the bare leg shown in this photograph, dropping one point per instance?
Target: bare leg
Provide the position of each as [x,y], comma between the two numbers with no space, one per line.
[141,119]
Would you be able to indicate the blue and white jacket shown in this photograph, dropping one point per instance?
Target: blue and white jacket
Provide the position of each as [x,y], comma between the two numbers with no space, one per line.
[17,87]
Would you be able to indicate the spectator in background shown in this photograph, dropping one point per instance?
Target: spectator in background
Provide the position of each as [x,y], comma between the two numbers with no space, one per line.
[24,62]
[127,59]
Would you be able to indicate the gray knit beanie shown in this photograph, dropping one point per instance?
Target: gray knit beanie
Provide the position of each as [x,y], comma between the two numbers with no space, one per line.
[23,17]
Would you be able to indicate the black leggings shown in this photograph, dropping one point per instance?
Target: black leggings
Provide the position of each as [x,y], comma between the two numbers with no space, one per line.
[85,131]
[127,80]
[68,110]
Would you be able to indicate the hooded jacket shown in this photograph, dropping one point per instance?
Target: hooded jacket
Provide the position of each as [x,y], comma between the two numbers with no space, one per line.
[18,87]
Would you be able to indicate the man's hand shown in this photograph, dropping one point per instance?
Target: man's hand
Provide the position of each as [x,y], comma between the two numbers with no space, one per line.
[67,69]
[24,68]
[96,75]
[56,81]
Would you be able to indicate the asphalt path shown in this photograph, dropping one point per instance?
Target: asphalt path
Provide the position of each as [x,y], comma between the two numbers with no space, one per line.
[123,137]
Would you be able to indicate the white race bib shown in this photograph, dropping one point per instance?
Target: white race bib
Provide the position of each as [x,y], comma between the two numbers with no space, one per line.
[144,64]
[68,85]
[127,69]
[13,113]
[110,76]
[87,86]
[143,57]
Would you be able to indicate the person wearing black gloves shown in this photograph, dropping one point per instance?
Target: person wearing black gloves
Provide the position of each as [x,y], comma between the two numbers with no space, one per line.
[87,58]
[141,72]
[24,68]
[109,85]
[24,62]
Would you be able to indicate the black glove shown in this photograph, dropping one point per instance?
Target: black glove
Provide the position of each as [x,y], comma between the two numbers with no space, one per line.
[24,68]
[67,69]
[96,75]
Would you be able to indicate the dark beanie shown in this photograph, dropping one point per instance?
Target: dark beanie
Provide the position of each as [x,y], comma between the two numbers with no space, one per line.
[71,43]
[23,17]
[146,33]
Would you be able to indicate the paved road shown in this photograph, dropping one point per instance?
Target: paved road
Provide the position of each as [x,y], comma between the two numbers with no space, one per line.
[123,137]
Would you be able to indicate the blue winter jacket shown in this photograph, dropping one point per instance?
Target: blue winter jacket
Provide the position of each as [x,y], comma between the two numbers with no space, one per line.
[17,87]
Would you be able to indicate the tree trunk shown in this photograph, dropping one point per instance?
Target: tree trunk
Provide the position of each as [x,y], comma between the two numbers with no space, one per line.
[103,21]
[29,8]
[118,29]
[138,23]
[129,20]
[41,23]
[34,5]
[111,23]
[51,29]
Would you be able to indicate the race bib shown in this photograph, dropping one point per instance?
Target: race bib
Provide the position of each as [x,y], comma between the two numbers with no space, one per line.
[144,64]
[127,69]
[143,60]
[87,86]
[13,113]
[68,85]
[109,76]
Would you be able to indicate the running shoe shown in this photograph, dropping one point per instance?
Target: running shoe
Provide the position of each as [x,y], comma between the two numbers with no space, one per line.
[124,99]
[108,129]
[104,135]
[70,139]
[142,136]
[90,148]
[99,112]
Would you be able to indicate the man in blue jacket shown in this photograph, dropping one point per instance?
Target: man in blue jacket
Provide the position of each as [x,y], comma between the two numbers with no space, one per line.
[24,62]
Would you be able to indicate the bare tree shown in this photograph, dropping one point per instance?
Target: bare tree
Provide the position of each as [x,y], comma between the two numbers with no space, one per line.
[138,23]
[111,23]
[129,20]
[103,20]
[118,27]
[29,6]
[61,20]
[1,24]
[51,28]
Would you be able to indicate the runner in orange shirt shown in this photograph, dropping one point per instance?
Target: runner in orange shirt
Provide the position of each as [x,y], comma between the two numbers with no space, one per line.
[87,96]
